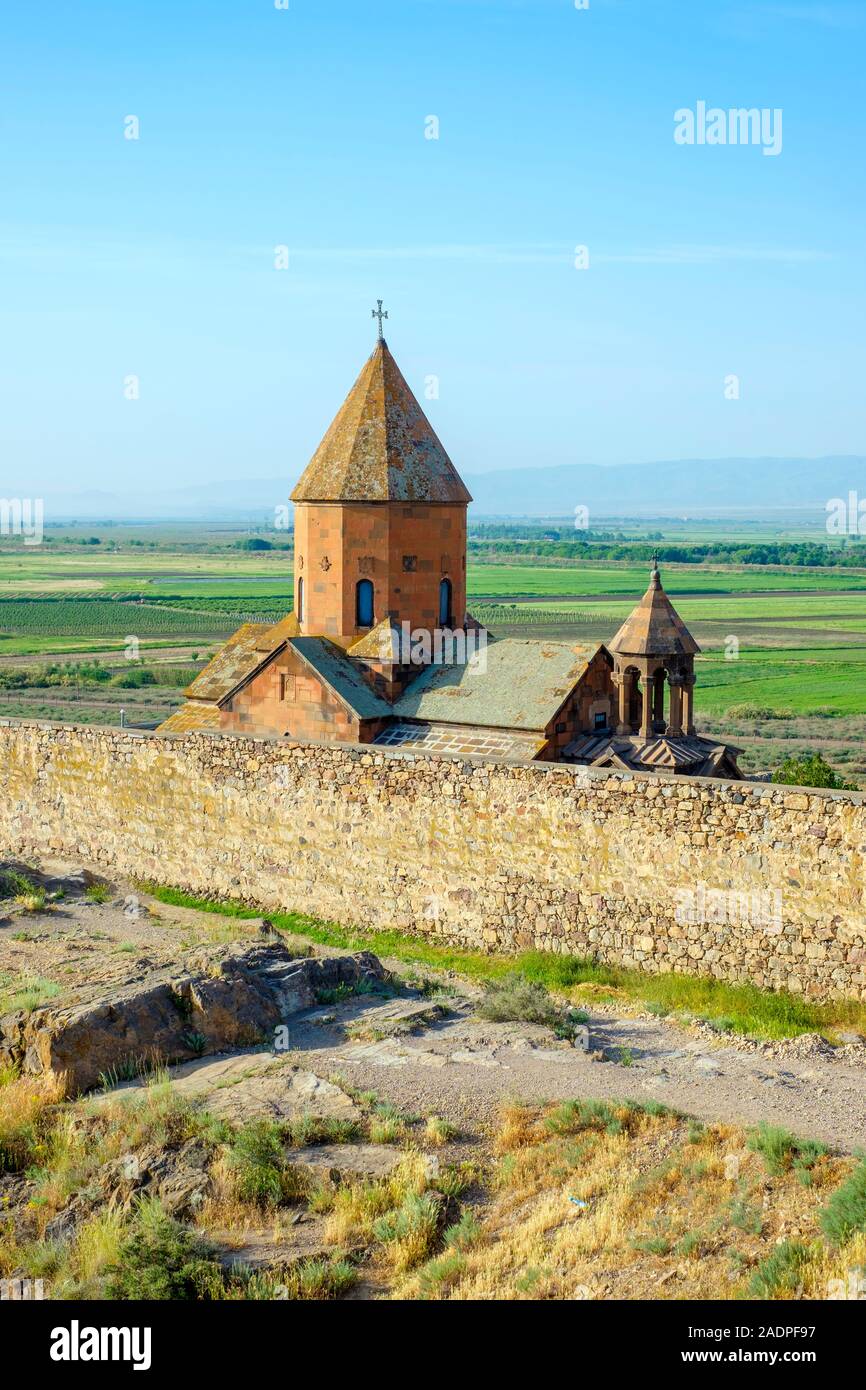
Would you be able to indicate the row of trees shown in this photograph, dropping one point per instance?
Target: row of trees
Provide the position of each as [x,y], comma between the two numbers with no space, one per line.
[798,553]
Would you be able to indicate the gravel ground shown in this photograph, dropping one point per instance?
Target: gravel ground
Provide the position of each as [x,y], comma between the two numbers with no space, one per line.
[463,1069]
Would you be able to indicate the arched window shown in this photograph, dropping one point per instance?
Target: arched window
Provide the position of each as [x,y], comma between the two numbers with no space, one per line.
[446,618]
[364,603]
[300,612]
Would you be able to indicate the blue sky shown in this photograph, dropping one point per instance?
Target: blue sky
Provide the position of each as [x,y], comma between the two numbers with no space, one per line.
[262,127]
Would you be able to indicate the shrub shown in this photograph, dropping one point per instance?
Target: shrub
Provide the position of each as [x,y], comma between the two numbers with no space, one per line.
[258,1166]
[514,999]
[162,1260]
[845,1213]
[410,1230]
[780,1271]
[133,680]
[782,1150]
[810,771]
[747,711]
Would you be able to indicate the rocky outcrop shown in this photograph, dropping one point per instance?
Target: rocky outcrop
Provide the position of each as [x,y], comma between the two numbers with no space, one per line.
[219,997]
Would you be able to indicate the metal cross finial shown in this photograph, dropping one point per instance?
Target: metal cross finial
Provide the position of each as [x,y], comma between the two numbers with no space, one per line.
[380,314]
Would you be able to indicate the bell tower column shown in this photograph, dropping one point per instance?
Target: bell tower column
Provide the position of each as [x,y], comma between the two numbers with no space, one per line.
[646,709]
[689,705]
[622,681]
[675,721]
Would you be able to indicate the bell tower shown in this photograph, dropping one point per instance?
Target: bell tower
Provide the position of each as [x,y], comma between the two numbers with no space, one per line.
[380,516]
[654,648]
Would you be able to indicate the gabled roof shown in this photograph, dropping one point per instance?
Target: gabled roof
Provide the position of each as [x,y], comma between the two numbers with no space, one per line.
[381,643]
[233,663]
[688,753]
[337,671]
[273,637]
[380,447]
[655,628]
[513,684]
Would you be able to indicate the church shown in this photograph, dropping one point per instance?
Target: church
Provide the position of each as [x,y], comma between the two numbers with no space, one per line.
[380,648]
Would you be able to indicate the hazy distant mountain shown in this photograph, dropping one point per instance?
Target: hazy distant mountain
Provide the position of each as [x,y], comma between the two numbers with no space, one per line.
[684,485]
[678,486]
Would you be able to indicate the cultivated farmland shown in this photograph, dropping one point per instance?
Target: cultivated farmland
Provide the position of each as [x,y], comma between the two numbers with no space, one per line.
[783,649]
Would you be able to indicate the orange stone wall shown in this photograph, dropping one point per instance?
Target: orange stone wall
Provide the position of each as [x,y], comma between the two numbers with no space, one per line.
[288,698]
[404,549]
[594,693]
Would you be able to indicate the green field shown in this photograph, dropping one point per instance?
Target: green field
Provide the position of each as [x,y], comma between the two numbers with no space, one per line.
[820,682]
[497,581]
[800,648]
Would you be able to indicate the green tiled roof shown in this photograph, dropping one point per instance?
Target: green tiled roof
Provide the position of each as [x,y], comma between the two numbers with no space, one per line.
[522,687]
[195,714]
[339,673]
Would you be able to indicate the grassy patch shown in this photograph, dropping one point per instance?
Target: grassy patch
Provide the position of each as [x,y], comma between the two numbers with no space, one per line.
[780,1272]
[844,1215]
[781,1150]
[35,899]
[97,893]
[314,1129]
[388,1124]
[25,1109]
[743,1008]
[25,992]
[316,1279]
[438,1131]
[14,884]
[150,1256]
[409,1231]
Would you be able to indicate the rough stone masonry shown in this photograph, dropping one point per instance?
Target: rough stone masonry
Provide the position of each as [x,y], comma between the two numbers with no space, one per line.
[487,854]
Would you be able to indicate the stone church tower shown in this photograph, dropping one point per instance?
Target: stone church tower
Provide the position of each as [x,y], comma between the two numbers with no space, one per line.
[654,647]
[380,518]
[380,569]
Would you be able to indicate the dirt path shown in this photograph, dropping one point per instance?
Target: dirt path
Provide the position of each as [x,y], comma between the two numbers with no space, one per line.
[464,1068]
[457,1065]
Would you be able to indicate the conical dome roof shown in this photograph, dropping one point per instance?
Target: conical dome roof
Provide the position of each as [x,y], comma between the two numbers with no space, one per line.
[655,628]
[380,447]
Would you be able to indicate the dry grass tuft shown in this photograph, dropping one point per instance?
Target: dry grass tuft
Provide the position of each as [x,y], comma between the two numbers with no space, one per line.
[25,1107]
[599,1200]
